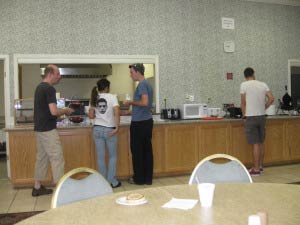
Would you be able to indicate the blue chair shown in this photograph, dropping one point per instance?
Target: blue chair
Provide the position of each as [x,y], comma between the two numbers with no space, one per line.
[211,172]
[70,190]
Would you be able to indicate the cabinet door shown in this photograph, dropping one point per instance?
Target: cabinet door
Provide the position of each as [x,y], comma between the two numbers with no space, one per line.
[158,146]
[239,145]
[213,139]
[22,157]
[181,148]
[293,139]
[77,147]
[123,162]
[274,143]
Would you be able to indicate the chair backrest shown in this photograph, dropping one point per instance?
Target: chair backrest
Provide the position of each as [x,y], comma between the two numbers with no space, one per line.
[71,190]
[210,172]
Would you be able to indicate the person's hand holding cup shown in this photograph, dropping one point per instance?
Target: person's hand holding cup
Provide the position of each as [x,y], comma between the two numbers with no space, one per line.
[206,194]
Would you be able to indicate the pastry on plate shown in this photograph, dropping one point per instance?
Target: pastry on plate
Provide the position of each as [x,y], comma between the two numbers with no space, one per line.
[135,197]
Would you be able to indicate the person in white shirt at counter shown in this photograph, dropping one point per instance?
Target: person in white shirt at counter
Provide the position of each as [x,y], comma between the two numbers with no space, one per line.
[106,112]
[253,103]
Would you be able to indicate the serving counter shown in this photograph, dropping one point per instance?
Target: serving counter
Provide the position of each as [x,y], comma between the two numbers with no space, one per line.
[177,146]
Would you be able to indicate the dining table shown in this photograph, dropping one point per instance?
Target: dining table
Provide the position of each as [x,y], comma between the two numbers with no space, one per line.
[233,203]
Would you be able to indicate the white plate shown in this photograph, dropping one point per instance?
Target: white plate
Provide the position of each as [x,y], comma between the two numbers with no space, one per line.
[122,201]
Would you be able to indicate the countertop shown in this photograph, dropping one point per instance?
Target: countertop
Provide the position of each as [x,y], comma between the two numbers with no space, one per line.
[125,121]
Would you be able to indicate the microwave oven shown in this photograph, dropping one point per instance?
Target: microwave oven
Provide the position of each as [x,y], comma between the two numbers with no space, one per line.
[194,111]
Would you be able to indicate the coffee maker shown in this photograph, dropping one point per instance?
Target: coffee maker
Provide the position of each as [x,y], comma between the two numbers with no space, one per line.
[286,104]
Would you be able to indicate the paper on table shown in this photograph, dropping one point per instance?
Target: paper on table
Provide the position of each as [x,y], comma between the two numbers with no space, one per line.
[178,203]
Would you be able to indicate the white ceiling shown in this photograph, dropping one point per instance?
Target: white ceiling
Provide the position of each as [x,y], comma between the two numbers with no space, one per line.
[282,2]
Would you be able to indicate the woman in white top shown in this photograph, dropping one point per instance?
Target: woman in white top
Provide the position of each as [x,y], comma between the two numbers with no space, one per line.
[105,111]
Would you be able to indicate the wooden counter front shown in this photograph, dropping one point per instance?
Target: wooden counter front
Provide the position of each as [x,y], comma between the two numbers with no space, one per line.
[77,147]
[177,147]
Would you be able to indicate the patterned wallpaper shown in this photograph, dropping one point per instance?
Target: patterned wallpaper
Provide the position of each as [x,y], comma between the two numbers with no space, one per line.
[185,34]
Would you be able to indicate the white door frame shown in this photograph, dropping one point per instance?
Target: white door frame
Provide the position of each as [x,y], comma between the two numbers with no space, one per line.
[85,59]
[8,104]
[291,63]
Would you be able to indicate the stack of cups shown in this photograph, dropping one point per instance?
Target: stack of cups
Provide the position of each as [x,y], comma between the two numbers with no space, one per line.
[206,193]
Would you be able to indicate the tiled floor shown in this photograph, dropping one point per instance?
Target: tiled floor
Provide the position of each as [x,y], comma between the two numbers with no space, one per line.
[20,200]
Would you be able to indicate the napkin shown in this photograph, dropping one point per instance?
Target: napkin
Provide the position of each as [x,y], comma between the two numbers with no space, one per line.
[177,203]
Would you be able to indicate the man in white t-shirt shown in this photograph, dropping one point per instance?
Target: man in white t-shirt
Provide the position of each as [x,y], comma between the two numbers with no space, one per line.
[256,97]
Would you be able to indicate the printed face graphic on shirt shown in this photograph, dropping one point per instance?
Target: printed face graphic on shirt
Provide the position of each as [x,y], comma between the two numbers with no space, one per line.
[102,105]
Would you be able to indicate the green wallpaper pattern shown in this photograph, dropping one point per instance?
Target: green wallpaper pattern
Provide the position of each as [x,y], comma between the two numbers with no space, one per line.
[186,34]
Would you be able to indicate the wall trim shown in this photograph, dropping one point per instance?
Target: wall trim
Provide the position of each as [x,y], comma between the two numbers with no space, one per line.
[280,2]
[85,59]
[7,102]
[9,119]
[291,62]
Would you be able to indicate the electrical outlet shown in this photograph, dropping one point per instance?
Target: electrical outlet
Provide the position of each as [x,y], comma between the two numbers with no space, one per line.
[187,97]
[208,100]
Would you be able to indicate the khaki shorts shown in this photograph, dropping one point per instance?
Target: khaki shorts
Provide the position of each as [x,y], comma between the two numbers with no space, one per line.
[255,129]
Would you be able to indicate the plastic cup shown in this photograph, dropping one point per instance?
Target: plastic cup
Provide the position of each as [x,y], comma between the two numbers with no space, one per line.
[127,97]
[206,194]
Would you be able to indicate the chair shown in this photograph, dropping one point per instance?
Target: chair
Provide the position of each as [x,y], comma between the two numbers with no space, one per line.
[210,172]
[71,190]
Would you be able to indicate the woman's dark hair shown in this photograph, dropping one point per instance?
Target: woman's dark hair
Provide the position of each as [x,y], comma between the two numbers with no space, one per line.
[101,85]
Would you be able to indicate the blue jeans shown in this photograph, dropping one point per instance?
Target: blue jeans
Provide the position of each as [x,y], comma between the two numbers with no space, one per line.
[101,139]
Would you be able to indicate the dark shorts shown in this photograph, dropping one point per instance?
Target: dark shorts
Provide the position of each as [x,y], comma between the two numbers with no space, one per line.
[255,129]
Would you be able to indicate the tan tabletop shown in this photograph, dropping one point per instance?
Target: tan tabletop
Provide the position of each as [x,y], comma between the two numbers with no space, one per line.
[233,203]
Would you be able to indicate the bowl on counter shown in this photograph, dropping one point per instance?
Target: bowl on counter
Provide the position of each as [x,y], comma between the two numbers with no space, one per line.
[76,119]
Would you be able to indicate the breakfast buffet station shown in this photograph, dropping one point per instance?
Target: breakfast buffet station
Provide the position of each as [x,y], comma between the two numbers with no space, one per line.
[178,145]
